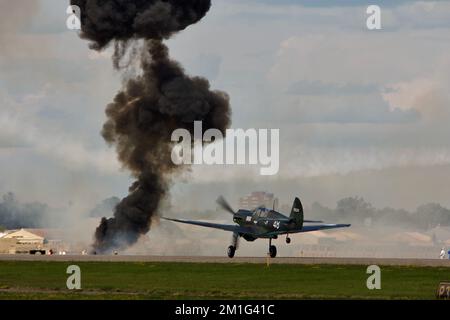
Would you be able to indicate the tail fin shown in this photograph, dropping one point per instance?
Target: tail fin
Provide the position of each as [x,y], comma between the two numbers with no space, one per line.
[297,213]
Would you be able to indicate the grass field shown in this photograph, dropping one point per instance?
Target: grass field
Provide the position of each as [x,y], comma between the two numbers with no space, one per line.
[130,280]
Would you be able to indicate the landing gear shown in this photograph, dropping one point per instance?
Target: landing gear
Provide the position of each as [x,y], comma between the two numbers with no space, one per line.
[231,251]
[288,240]
[234,245]
[272,249]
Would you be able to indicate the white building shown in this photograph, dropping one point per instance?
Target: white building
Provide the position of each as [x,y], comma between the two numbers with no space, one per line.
[23,236]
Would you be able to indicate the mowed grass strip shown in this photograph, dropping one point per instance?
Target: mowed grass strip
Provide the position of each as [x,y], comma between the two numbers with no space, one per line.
[142,280]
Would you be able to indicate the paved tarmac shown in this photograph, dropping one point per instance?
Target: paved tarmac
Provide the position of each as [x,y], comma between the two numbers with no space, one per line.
[203,259]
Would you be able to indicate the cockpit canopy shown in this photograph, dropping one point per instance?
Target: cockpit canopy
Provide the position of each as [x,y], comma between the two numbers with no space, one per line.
[262,212]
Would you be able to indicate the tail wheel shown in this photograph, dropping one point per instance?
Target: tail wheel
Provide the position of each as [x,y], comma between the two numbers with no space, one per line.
[288,240]
[273,251]
[231,251]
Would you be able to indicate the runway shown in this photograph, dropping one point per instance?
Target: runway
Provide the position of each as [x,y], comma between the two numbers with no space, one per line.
[256,260]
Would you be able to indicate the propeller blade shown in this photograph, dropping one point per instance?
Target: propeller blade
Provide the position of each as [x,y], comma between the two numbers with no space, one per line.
[225,205]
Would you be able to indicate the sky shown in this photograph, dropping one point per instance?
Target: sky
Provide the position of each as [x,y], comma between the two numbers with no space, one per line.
[361,113]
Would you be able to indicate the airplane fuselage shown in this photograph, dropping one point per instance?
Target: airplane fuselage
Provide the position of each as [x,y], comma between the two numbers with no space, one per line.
[263,223]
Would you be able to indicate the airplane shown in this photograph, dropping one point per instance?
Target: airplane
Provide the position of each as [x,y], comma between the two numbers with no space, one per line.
[263,223]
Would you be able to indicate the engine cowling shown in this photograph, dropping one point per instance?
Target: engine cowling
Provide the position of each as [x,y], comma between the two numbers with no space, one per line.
[249,237]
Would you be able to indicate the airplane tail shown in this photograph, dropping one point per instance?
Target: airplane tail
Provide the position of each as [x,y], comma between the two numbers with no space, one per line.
[297,213]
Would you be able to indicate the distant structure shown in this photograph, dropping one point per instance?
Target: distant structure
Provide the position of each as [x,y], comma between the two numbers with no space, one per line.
[257,199]
[26,236]
[285,208]
[31,241]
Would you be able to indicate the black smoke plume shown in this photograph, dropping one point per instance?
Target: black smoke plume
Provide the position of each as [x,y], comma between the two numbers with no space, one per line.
[151,104]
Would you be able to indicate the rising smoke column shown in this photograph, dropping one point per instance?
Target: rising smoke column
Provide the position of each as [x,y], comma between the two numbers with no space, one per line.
[150,105]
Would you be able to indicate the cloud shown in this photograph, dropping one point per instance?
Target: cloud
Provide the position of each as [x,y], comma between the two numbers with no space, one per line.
[350,77]
[357,57]
[205,65]
[304,161]
[348,114]
[428,95]
[313,161]
[333,3]
[20,126]
[422,14]
[304,87]
[346,100]
[403,95]
[15,16]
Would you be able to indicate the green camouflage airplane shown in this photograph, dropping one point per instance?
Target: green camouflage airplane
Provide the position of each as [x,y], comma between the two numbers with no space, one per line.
[263,223]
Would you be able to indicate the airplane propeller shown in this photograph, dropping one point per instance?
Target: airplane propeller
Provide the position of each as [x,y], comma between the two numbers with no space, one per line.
[225,205]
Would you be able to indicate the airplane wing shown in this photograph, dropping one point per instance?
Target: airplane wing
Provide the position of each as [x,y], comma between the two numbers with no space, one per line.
[309,229]
[288,220]
[322,227]
[226,227]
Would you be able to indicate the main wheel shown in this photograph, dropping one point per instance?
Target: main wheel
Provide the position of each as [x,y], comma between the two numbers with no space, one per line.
[288,240]
[273,251]
[231,251]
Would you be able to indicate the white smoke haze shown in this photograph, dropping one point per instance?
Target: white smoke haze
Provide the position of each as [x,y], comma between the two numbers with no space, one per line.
[303,161]
[375,232]
[384,233]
